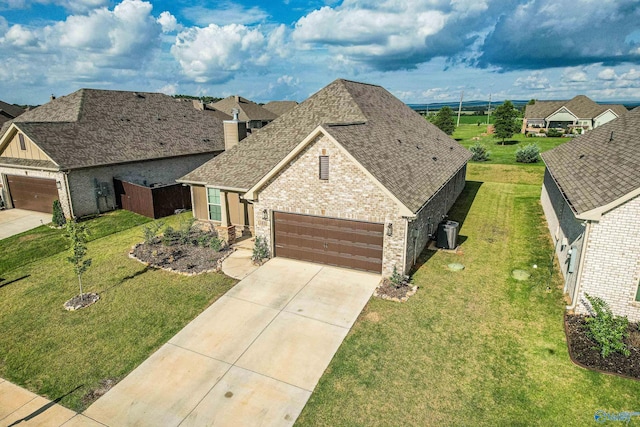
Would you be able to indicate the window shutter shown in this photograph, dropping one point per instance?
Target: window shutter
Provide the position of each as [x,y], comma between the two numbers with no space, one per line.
[23,146]
[324,167]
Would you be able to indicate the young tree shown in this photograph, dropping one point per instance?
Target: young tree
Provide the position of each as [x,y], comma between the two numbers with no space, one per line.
[505,121]
[444,120]
[78,250]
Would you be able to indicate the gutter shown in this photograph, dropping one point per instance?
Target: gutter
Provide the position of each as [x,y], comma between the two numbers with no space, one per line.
[66,185]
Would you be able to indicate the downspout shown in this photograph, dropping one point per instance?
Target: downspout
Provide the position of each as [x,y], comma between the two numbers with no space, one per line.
[406,239]
[66,185]
[583,253]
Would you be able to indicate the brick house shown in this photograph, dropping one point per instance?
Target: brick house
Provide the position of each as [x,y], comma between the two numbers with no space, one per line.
[579,113]
[350,177]
[72,148]
[590,198]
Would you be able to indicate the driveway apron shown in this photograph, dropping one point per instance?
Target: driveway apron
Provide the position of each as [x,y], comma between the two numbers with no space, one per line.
[252,358]
[16,221]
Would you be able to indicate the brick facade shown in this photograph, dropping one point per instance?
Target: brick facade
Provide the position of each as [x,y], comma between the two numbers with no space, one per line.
[82,181]
[350,193]
[611,267]
[58,176]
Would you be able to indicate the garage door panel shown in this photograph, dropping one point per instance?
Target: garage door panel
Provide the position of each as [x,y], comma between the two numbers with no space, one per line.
[37,194]
[330,241]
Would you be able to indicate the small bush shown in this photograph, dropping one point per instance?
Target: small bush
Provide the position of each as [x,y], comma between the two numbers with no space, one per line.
[151,230]
[184,232]
[480,153]
[554,133]
[260,250]
[216,244]
[528,154]
[170,236]
[607,330]
[58,218]
[398,279]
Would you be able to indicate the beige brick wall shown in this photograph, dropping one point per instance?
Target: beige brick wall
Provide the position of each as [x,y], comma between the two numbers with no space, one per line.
[81,181]
[348,194]
[612,261]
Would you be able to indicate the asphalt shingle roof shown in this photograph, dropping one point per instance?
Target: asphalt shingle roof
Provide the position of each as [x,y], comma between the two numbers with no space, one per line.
[581,106]
[248,110]
[10,109]
[279,107]
[595,169]
[393,142]
[100,127]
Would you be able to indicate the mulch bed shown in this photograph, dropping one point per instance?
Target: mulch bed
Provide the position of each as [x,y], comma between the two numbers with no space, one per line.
[584,353]
[390,291]
[81,301]
[179,257]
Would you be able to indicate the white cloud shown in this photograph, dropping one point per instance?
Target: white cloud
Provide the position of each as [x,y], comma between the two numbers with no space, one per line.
[74,6]
[534,81]
[18,36]
[574,75]
[168,22]
[214,53]
[607,74]
[437,94]
[225,13]
[169,89]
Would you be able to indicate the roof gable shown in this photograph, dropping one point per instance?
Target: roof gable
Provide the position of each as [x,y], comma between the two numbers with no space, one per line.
[10,110]
[409,156]
[99,127]
[248,110]
[599,167]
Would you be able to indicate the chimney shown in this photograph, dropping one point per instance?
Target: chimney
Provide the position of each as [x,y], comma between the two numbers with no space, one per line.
[234,131]
[52,97]
[237,98]
[198,104]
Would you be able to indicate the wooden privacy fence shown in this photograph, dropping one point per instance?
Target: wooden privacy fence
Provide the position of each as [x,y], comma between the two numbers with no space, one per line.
[152,202]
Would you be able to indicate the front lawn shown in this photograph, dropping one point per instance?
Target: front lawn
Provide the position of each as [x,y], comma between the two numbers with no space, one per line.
[503,154]
[44,241]
[53,352]
[474,347]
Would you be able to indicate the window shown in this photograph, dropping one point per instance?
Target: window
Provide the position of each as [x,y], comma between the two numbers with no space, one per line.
[324,167]
[23,146]
[213,199]
[638,293]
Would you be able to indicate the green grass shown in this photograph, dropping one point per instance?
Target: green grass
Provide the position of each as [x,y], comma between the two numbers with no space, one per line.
[52,352]
[474,347]
[503,154]
[473,120]
[44,241]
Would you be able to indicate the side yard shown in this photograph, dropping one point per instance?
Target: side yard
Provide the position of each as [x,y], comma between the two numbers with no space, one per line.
[60,354]
[474,347]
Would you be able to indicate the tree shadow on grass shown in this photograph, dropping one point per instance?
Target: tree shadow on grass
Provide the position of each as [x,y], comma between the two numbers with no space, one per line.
[43,408]
[2,285]
[507,142]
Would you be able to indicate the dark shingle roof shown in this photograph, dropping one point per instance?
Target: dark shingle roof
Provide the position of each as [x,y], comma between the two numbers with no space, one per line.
[99,127]
[593,170]
[394,143]
[10,109]
[581,106]
[279,107]
[28,163]
[248,110]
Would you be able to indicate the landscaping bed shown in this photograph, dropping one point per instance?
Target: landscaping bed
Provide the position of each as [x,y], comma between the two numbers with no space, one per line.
[184,258]
[584,351]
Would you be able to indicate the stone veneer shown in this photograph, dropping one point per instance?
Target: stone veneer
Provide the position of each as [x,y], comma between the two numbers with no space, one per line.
[611,267]
[349,194]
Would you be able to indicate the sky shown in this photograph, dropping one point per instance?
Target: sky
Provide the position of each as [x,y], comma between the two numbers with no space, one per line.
[422,51]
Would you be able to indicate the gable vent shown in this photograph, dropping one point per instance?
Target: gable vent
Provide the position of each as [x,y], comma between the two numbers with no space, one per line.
[324,167]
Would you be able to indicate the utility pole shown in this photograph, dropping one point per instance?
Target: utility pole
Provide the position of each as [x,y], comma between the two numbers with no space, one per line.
[460,108]
[489,110]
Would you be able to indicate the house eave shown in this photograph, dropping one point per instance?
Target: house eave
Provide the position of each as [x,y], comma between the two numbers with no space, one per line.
[597,213]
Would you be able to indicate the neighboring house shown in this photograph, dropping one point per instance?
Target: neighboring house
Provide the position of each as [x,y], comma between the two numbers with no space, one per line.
[279,107]
[579,113]
[73,147]
[253,114]
[591,199]
[9,112]
[350,177]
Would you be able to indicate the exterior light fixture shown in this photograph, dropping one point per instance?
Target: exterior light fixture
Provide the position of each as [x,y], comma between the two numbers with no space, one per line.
[265,215]
[389,229]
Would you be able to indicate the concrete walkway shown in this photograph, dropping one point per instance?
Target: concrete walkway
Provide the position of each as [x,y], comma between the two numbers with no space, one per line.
[20,407]
[252,358]
[15,221]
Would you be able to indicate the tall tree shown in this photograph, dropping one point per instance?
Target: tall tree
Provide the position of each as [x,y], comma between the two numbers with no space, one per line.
[505,121]
[78,251]
[444,120]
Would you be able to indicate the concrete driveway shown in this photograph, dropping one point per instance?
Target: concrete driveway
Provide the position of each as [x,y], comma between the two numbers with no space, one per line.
[252,358]
[15,221]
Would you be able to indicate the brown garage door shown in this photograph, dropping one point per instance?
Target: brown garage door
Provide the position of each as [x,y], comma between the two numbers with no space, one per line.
[34,194]
[338,242]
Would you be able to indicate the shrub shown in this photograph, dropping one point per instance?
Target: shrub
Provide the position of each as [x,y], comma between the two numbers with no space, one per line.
[528,154]
[170,236]
[216,244]
[58,218]
[260,250]
[184,232]
[607,330]
[398,279]
[554,133]
[480,153]
[151,230]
